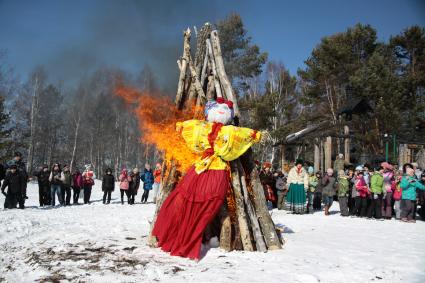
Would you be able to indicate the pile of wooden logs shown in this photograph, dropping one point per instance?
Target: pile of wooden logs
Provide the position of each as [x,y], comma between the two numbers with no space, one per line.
[244,222]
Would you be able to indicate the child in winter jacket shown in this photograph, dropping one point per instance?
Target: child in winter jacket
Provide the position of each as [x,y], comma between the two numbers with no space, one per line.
[362,194]
[312,184]
[88,183]
[397,192]
[148,180]
[108,185]
[409,184]
[125,180]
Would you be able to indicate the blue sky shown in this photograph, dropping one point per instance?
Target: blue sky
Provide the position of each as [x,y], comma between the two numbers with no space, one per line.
[73,38]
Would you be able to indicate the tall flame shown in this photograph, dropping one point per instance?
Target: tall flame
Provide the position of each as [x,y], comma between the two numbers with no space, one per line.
[157,117]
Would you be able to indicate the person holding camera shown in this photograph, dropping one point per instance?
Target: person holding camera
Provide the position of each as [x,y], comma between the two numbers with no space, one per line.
[56,180]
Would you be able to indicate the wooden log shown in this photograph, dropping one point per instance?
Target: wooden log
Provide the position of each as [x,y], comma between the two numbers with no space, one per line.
[347,144]
[214,70]
[255,225]
[316,155]
[240,208]
[204,73]
[226,230]
[266,223]
[221,72]
[184,61]
[328,153]
[201,48]
[196,83]
[167,185]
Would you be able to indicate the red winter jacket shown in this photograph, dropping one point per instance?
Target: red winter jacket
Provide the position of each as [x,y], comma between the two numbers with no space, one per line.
[361,187]
[77,180]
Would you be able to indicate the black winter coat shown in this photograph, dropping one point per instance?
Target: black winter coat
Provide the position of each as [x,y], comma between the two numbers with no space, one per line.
[108,183]
[135,182]
[43,178]
[14,183]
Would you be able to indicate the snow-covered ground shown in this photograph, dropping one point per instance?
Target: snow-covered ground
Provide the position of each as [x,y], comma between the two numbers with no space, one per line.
[107,243]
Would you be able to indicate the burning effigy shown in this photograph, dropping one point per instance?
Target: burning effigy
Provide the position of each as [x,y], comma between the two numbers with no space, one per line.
[210,186]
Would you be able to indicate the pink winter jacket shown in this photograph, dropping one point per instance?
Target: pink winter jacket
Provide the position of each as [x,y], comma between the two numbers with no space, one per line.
[125,180]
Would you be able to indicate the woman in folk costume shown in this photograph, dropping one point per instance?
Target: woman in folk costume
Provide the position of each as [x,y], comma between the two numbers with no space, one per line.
[199,195]
[298,185]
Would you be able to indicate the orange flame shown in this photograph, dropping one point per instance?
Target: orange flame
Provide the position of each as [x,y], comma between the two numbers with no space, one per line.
[157,117]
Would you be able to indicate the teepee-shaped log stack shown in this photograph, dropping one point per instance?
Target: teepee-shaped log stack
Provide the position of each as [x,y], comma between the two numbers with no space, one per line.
[244,222]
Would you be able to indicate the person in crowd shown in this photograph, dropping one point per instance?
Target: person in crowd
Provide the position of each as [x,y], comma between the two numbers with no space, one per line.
[343,191]
[88,183]
[125,180]
[298,185]
[43,185]
[397,193]
[77,184]
[339,163]
[281,189]
[312,184]
[409,185]
[421,198]
[362,195]
[328,189]
[2,172]
[351,198]
[134,184]
[366,176]
[66,185]
[148,180]
[317,199]
[157,181]
[14,183]
[55,180]
[377,190]
[267,180]
[22,171]
[388,190]
[108,186]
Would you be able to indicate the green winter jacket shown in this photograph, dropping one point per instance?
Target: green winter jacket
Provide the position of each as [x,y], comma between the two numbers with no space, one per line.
[377,183]
[343,187]
[409,184]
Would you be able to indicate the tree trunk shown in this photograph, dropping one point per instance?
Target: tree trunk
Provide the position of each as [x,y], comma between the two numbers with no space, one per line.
[184,61]
[74,147]
[328,153]
[33,120]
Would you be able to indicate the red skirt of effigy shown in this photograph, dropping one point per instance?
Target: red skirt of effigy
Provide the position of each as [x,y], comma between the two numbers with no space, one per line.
[187,211]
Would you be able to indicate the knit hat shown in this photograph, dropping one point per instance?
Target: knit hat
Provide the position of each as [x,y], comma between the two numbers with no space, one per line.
[386,165]
[341,173]
[359,168]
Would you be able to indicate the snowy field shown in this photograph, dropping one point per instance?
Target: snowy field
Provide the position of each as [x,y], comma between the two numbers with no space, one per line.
[107,243]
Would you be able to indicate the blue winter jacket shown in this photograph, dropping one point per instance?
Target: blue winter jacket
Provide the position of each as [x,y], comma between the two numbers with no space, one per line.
[148,179]
[409,185]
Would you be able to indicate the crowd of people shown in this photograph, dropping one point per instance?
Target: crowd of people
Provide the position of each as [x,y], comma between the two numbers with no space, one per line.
[385,192]
[60,182]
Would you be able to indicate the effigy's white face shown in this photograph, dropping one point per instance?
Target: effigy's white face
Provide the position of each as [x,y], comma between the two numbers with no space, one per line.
[220,113]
